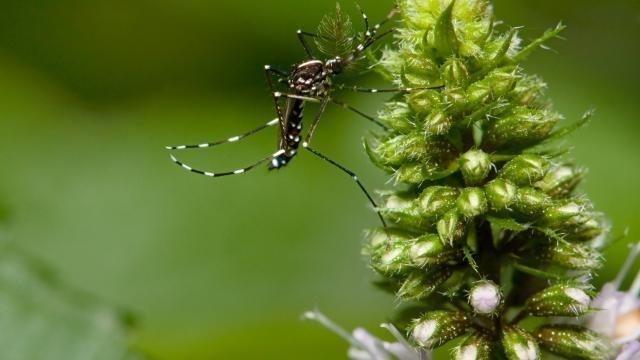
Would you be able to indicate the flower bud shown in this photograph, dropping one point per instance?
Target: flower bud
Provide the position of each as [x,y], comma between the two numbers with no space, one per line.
[561,181]
[529,90]
[424,101]
[455,100]
[397,116]
[559,300]
[531,203]
[501,194]
[485,298]
[495,85]
[573,342]
[428,251]
[454,73]
[519,344]
[420,284]
[435,328]
[437,123]
[451,228]
[391,259]
[563,214]
[525,170]
[475,166]
[587,231]
[435,201]
[472,202]
[475,347]
[401,210]
[570,256]
[525,127]
[401,149]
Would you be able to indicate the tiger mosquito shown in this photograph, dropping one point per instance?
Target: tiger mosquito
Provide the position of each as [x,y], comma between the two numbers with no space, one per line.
[308,81]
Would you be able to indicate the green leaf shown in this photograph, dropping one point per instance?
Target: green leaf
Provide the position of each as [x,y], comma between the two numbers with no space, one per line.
[445,39]
[548,35]
[41,319]
[335,34]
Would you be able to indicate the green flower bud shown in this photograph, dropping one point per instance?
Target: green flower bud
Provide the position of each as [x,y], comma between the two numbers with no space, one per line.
[559,300]
[494,86]
[485,298]
[564,214]
[475,347]
[529,91]
[561,181]
[525,170]
[587,231]
[570,256]
[402,210]
[420,284]
[525,127]
[437,123]
[519,344]
[472,202]
[424,101]
[418,70]
[397,116]
[401,149]
[455,100]
[501,194]
[435,328]
[454,73]
[573,342]
[451,228]
[475,166]
[428,251]
[531,203]
[435,201]
[392,259]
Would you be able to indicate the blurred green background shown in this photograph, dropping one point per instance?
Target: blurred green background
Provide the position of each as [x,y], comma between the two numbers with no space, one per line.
[91,91]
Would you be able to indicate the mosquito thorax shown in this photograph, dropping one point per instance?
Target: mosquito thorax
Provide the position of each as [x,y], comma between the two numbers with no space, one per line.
[308,77]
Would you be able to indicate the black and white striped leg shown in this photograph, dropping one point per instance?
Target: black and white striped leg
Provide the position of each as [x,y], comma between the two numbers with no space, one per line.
[383,91]
[226,173]
[351,108]
[353,176]
[279,95]
[226,141]
[269,72]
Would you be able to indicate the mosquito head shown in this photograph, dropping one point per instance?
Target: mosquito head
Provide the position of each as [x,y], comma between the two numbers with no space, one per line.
[335,65]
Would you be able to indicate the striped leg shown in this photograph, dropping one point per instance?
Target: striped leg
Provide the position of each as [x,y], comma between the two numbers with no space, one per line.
[382,91]
[351,108]
[306,145]
[229,140]
[354,177]
[226,173]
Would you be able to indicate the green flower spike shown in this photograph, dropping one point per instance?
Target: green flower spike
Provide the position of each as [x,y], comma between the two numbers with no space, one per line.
[484,222]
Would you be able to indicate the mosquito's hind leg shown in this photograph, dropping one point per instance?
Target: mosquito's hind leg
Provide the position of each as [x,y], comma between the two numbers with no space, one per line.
[354,177]
[362,114]
[226,141]
[226,173]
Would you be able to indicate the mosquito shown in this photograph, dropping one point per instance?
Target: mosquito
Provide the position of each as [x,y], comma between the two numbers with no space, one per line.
[311,81]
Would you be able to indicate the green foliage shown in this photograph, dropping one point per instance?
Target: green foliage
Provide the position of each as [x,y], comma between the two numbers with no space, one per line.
[41,319]
[470,171]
